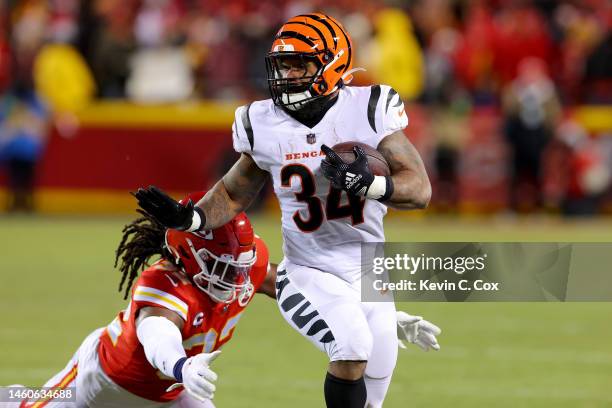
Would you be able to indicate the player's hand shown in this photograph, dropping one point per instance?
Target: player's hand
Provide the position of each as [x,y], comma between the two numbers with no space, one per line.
[198,378]
[417,331]
[354,178]
[166,210]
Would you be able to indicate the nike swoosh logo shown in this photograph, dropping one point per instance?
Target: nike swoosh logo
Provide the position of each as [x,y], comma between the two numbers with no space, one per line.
[400,113]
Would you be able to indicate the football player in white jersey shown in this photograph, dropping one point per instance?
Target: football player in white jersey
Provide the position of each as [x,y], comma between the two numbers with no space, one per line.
[326,216]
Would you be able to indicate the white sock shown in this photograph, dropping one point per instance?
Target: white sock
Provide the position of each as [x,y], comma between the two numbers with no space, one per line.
[377,390]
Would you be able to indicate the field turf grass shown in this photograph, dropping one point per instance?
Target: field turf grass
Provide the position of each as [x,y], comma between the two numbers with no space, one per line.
[58,284]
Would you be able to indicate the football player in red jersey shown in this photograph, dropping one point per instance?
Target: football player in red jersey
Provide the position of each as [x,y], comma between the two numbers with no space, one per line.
[182,309]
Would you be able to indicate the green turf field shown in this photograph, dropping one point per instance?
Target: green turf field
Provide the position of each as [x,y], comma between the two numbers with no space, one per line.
[58,284]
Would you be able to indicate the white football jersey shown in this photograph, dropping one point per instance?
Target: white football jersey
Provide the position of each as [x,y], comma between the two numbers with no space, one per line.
[322,227]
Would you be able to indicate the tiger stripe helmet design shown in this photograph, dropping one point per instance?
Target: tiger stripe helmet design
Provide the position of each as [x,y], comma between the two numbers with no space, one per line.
[312,37]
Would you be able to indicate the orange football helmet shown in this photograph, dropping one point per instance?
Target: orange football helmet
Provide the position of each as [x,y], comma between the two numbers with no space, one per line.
[217,261]
[312,37]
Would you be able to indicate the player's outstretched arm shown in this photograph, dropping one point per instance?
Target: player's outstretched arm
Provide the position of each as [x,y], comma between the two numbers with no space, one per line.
[268,287]
[412,189]
[159,332]
[232,194]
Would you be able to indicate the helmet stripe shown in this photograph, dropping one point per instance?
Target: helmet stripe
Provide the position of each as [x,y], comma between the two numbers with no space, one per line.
[296,35]
[326,24]
[319,33]
[348,42]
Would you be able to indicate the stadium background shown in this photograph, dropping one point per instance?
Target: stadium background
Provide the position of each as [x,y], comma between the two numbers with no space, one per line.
[101,97]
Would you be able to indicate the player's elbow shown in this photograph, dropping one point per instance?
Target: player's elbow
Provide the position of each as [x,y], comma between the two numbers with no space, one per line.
[415,198]
[423,197]
[419,201]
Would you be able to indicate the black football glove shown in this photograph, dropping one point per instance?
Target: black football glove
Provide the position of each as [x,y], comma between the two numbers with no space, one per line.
[166,210]
[355,178]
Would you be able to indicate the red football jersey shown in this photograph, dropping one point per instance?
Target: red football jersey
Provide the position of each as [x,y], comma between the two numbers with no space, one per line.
[208,325]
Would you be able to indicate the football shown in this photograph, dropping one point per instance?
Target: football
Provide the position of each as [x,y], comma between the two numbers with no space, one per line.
[376,162]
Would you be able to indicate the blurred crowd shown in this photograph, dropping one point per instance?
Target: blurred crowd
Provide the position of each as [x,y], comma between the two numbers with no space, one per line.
[527,59]
[435,51]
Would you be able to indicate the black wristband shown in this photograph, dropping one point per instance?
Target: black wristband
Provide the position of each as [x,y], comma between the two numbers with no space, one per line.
[388,190]
[177,371]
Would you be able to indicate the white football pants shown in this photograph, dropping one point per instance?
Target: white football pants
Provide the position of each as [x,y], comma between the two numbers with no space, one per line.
[328,311]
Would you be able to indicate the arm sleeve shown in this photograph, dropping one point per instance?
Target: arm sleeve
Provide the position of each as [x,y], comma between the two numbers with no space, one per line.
[240,130]
[385,114]
[394,116]
[162,343]
[244,137]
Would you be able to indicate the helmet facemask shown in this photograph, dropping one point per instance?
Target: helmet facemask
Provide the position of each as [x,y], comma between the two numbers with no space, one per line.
[293,93]
[223,278]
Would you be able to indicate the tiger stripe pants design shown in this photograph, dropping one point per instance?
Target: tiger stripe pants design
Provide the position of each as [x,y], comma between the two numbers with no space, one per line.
[328,311]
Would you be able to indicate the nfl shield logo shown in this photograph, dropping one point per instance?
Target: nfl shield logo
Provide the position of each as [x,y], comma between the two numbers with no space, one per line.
[311,138]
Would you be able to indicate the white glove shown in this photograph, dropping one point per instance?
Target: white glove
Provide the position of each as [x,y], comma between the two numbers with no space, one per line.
[417,331]
[198,378]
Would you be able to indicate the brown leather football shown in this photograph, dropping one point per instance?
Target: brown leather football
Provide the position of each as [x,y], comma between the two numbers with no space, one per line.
[376,162]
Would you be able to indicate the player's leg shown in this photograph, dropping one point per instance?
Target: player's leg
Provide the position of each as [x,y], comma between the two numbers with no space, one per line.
[65,380]
[382,321]
[85,378]
[66,375]
[327,311]
[344,384]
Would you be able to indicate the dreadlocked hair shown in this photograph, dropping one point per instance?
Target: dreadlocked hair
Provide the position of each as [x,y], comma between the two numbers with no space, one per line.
[142,239]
